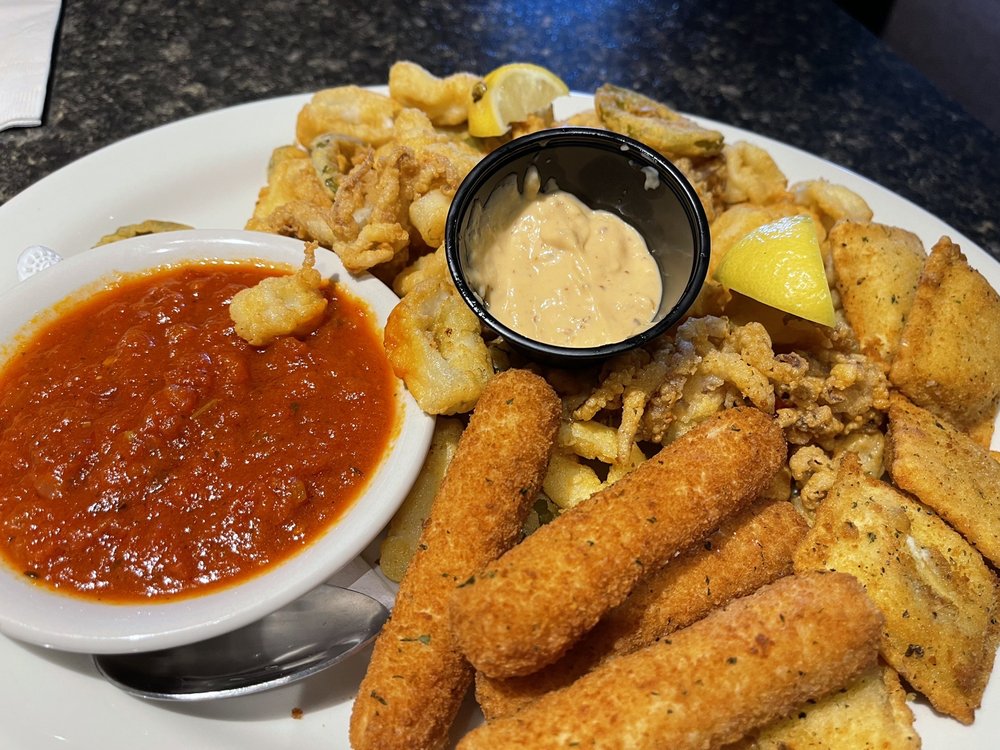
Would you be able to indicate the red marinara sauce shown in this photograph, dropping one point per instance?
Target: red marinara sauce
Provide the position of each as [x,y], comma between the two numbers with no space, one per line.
[147,451]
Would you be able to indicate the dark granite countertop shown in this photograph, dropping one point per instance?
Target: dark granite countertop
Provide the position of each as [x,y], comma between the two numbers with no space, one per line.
[804,73]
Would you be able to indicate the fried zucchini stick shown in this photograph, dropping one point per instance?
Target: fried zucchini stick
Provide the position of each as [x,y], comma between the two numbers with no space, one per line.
[417,678]
[709,684]
[523,612]
[750,549]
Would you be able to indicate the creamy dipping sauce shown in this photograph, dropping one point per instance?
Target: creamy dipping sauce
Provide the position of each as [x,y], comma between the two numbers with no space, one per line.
[556,271]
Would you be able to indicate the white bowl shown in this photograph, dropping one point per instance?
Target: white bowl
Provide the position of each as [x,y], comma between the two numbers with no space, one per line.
[32,613]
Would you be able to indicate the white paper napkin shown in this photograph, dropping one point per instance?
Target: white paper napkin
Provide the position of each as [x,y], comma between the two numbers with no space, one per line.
[27,30]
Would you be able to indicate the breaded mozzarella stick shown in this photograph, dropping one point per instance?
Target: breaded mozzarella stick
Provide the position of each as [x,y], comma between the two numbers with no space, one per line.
[709,684]
[750,549]
[417,678]
[523,612]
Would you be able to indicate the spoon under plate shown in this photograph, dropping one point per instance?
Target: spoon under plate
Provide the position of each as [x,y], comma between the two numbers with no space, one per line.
[312,633]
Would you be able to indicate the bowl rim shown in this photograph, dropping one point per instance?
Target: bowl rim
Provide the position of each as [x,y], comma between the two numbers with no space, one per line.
[605,140]
[43,617]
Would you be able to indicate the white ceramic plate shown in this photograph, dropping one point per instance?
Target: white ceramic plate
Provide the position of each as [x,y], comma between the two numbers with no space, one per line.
[206,171]
[40,616]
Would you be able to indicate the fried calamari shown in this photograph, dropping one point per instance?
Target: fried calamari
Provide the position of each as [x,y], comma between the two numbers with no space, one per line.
[290,305]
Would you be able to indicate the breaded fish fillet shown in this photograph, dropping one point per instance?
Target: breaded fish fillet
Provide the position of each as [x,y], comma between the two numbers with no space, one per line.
[947,359]
[947,470]
[523,612]
[417,678]
[750,549]
[739,668]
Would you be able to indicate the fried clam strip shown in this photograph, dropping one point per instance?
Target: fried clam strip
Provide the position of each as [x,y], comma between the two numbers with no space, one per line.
[739,668]
[523,612]
[819,395]
[417,678]
[750,549]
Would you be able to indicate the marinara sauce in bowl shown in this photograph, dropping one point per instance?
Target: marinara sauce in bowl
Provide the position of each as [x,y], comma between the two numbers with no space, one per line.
[163,481]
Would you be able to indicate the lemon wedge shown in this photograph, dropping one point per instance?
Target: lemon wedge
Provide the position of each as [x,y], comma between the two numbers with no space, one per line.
[509,94]
[780,264]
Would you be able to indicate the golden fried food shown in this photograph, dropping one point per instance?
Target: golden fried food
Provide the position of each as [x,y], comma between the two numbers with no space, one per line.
[290,305]
[372,212]
[750,549]
[296,202]
[947,360]
[869,714]
[939,598]
[369,179]
[739,668]
[417,678]
[947,470]
[291,178]
[332,157]
[878,268]
[444,100]
[655,124]
[814,470]
[751,175]
[429,266]
[433,341]
[523,612]
[347,110]
[403,534]
[831,202]
[818,395]
[427,215]
[150,226]
[372,177]
[571,477]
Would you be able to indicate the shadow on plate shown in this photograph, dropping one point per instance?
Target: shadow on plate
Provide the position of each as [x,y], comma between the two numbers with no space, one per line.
[329,688]
[80,663]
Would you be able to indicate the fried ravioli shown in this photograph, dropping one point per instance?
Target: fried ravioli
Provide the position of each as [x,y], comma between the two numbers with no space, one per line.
[869,714]
[878,268]
[947,470]
[939,598]
[947,359]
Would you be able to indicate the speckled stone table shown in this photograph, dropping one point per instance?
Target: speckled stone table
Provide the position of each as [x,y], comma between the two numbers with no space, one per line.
[804,73]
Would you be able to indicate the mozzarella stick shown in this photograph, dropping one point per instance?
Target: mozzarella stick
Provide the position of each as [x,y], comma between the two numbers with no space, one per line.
[417,678]
[750,549]
[523,612]
[741,667]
